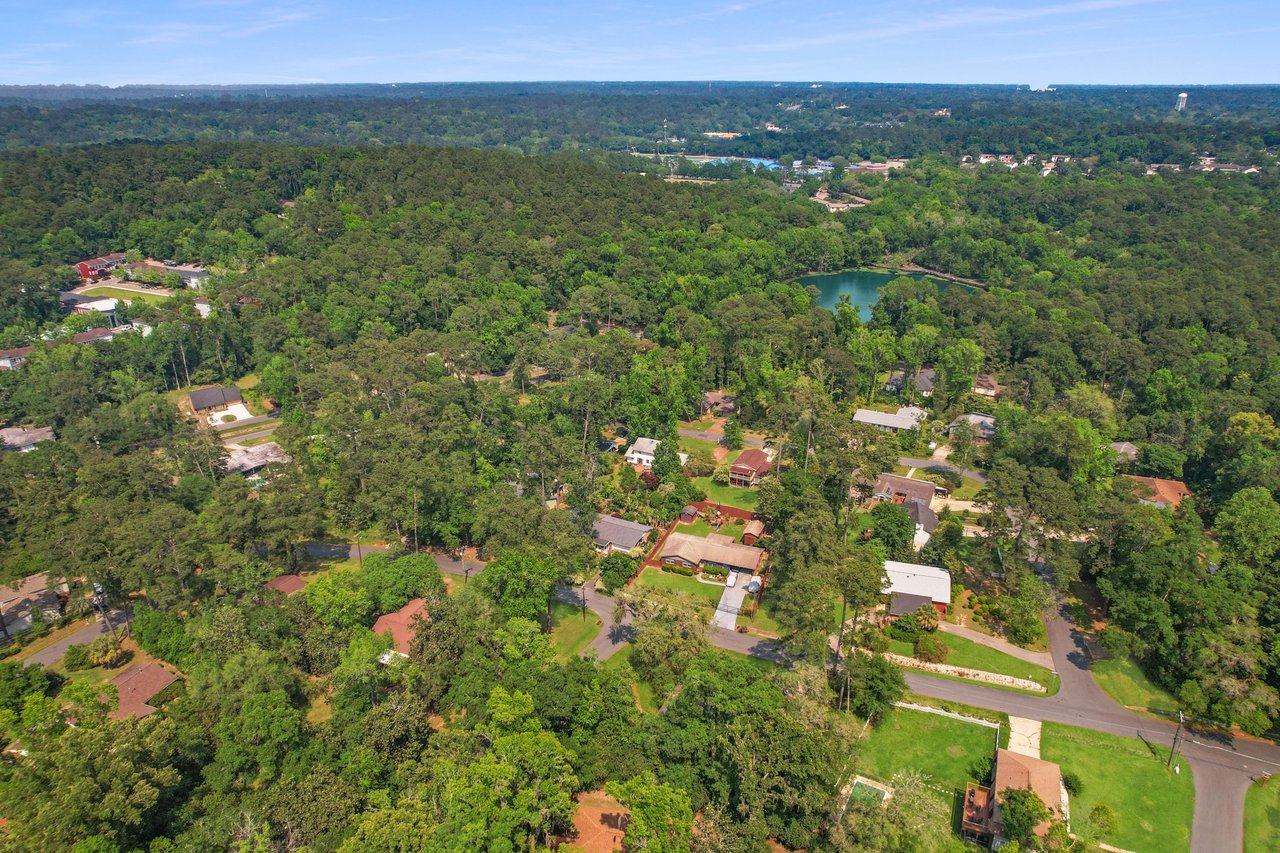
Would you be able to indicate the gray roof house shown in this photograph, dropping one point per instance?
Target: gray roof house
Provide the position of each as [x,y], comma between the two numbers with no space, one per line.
[984,425]
[908,417]
[215,397]
[610,533]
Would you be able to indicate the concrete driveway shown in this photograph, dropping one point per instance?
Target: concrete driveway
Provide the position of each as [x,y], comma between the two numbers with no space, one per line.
[730,605]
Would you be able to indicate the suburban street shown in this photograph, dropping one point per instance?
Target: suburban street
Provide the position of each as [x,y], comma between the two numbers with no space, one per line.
[53,653]
[1223,766]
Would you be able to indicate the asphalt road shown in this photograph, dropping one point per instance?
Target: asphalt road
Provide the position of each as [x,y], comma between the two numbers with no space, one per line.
[53,653]
[1223,766]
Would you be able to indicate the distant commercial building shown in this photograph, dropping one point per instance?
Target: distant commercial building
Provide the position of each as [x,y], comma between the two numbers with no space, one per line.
[1182,102]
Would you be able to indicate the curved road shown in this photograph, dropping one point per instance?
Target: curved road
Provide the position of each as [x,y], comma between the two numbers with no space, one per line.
[1223,766]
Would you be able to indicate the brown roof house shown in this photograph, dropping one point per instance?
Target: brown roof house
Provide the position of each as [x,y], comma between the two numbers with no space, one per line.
[716,550]
[20,603]
[719,403]
[286,584]
[1163,494]
[753,530]
[749,467]
[401,627]
[137,686]
[1013,771]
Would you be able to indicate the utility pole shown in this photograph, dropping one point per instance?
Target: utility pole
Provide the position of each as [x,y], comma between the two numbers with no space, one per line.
[1176,736]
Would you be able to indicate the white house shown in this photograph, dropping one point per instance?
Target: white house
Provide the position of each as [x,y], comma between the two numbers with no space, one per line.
[642,451]
[915,585]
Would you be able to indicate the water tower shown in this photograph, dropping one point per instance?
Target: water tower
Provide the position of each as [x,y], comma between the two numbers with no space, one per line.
[1182,102]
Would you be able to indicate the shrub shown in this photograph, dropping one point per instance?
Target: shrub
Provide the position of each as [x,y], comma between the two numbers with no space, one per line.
[931,649]
[1104,819]
[75,658]
[104,651]
[905,629]
[720,476]
[1072,783]
[980,769]
[679,570]
[616,570]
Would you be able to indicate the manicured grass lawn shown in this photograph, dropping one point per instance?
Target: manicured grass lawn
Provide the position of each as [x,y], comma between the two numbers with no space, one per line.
[253,442]
[1124,681]
[643,690]
[699,426]
[1153,805]
[1262,817]
[945,750]
[763,619]
[965,652]
[120,293]
[707,594]
[570,633]
[697,446]
[729,495]
[967,490]
[702,527]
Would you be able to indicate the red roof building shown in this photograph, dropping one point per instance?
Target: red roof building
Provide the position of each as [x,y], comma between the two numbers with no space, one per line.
[400,625]
[137,686]
[1165,494]
[749,467]
[287,584]
[91,268]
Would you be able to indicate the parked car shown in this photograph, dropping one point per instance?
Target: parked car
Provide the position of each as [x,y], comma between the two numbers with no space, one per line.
[732,579]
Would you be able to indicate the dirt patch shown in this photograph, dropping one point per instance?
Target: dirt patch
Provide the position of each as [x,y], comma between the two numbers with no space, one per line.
[720,453]
[599,823]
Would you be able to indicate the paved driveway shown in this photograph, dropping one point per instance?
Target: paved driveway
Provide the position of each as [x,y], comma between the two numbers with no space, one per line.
[53,653]
[730,605]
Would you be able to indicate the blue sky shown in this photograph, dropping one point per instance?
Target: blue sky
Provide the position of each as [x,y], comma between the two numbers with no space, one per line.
[944,41]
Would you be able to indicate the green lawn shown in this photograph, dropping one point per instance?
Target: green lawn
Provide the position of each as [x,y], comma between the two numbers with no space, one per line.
[967,490]
[120,293]
[1124,681]
[698,426]
[697,446]
[965,652]
[702,528]
[729,495]
[946,750]
[764,619]
[1262,817]
[1154,806]
[570,633]
[707,594]
[621,659]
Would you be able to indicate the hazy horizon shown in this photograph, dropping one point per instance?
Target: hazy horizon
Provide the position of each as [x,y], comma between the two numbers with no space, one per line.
[239,42]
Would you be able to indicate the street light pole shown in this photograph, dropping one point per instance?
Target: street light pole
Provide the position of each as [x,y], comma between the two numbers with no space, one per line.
[1174,749]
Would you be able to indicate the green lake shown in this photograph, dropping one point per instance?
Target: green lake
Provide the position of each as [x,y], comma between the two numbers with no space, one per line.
[862,287]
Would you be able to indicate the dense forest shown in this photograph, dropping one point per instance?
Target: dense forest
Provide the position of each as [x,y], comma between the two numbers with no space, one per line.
[449,334]
[820,120]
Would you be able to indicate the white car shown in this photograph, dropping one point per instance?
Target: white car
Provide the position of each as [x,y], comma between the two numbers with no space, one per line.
[732,579]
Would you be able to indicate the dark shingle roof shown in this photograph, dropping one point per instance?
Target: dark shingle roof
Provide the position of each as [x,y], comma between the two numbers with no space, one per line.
[219,395]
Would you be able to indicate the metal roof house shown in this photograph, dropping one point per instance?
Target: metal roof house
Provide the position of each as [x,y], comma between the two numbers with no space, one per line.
[912,579]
